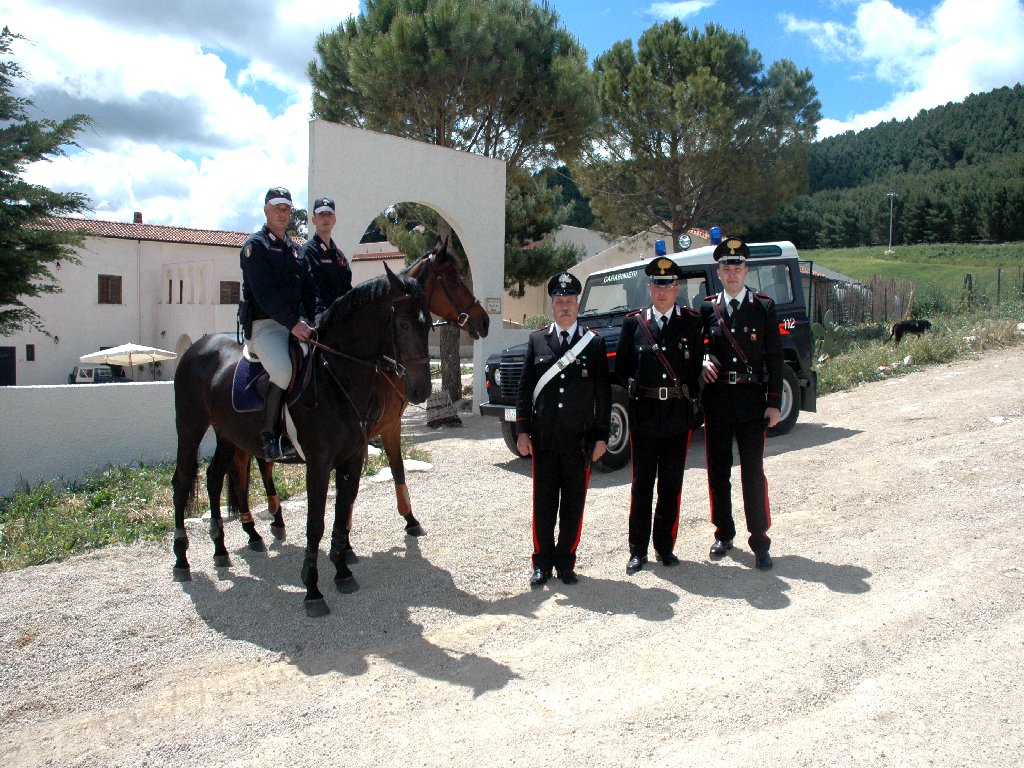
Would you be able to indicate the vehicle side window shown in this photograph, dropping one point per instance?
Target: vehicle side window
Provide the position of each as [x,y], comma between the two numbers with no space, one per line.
[772,279]
[693,290]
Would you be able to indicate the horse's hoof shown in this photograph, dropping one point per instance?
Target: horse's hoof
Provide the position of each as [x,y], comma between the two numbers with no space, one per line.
[279,532]
[222,561]
[316,609]
[182,574]
[415,530]
[346,585]
[257,545]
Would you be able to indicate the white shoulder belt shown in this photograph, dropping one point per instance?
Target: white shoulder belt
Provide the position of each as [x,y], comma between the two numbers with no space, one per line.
[562,363]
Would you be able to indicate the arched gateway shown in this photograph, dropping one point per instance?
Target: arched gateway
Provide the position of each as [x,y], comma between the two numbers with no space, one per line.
[366,172]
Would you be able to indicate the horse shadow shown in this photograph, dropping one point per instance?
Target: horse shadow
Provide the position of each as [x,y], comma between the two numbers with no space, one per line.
[264,608]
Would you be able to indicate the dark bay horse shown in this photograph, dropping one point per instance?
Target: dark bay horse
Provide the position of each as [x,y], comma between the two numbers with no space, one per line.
[449,298]
[378,326]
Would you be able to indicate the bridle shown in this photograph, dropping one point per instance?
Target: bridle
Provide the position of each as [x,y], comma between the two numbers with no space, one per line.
[431,267]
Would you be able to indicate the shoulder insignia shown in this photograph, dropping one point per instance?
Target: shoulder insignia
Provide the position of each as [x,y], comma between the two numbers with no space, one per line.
[248,250]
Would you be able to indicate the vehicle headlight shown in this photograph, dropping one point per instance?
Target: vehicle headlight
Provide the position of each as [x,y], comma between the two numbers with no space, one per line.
[497,375]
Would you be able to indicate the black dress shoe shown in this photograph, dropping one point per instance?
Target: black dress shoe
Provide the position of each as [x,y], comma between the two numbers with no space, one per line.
[720,547]
[636,563]
[539,577]
[568,576]
[763,561]
[669,559]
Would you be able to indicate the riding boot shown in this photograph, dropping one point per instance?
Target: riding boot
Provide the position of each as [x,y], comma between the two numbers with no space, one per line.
[274,448]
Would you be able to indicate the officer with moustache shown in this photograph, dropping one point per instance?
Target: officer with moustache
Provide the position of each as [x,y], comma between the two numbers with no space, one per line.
[659,353]
[331,270]
[742,375]
[563,410]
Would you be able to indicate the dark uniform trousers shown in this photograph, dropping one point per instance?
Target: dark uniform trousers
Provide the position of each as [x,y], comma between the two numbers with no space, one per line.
[659,429]
[735,412]
[571,412]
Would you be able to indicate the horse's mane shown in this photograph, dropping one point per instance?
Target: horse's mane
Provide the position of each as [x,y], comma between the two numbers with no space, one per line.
[369,292]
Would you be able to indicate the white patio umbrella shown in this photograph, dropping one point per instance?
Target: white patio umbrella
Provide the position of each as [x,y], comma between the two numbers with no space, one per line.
[127,354]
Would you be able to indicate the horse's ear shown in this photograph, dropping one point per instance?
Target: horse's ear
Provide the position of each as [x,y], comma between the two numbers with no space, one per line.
[441,245]
[392,277]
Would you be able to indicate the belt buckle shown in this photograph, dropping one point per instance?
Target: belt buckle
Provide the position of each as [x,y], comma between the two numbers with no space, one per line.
[732,377]
[663,393]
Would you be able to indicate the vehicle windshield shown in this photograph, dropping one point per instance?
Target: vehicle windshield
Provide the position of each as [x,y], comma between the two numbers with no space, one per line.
[613,292]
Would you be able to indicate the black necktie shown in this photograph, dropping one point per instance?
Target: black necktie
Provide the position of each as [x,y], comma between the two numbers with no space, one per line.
[565,343]
[664,322]
[735,304]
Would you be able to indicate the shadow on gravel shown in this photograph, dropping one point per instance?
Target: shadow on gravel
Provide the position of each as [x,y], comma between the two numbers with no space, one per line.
[264,608]
[807,436]
[735,578]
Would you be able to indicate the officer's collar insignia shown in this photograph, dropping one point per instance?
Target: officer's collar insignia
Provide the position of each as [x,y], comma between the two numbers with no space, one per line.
[664,265]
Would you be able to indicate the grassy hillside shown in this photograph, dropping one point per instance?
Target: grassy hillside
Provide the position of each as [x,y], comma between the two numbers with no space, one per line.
[997,271]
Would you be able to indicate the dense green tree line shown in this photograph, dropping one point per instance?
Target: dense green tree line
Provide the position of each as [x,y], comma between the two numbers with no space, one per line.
[957,171]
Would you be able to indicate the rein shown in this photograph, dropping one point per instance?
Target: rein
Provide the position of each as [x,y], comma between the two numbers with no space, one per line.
[463,314]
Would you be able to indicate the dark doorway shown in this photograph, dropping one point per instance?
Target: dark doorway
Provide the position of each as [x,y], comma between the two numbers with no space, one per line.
[8,376]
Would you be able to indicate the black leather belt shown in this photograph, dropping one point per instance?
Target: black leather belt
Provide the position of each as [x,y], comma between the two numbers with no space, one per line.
[663,393]
[732,377]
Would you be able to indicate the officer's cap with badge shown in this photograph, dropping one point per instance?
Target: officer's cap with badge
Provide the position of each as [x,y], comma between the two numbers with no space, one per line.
[278,196]
[662,270]
[323,204]
[564,284]
[731,251]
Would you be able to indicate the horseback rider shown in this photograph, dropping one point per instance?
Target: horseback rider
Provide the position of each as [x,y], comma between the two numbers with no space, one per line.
[331,271]
[278,293]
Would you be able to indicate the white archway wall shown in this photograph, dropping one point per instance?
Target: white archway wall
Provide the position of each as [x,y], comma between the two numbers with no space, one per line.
[365,172]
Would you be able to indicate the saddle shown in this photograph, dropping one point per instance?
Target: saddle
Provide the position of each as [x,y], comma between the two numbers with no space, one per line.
[249,384]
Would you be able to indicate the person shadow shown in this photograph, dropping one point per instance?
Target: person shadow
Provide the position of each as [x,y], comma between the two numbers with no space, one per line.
[735,578]
[264,608]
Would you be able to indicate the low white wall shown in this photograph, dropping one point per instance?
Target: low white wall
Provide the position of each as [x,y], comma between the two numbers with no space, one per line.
[66,431]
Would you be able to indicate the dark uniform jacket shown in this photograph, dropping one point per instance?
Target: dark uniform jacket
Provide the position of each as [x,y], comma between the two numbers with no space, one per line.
[276,280]
[331,271]
[576,404]
[755,325]
[636,359]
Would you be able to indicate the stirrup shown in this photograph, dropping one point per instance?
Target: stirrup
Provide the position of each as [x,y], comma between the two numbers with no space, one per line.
[271,447]
[285,448]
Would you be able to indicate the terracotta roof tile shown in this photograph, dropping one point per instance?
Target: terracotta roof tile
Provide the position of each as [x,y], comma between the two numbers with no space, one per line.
[156,232]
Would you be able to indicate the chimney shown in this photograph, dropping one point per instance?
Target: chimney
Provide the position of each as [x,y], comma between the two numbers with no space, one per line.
[138,218]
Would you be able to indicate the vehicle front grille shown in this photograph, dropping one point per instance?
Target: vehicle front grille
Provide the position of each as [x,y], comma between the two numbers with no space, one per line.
[511,370]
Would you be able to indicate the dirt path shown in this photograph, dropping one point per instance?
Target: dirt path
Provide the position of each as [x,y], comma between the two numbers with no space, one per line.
[889,632]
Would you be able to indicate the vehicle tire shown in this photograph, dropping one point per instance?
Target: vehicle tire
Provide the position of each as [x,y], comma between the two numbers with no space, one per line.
[618,433]
[508,431]
[790,402]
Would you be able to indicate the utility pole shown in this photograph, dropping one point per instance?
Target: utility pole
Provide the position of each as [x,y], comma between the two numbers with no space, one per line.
[891,196]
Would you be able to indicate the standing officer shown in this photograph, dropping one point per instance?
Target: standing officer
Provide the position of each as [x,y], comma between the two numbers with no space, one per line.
[659,353]
[742,372]
[563,410]
[277,290]
[331,271]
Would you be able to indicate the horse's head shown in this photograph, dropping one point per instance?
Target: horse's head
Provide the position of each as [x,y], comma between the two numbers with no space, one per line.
[411,328]
[448,297]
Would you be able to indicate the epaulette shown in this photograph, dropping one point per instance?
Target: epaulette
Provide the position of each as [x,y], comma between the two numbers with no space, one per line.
[710,298]
[636,312]
[691,310]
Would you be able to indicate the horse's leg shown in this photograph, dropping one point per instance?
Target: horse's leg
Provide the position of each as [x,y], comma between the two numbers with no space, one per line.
[318,475]
[391,440]
[240,478]
[222,456]
[185,484]
[273,501]
[347,486]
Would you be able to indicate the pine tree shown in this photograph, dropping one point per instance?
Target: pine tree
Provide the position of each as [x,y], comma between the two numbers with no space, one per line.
[28,250]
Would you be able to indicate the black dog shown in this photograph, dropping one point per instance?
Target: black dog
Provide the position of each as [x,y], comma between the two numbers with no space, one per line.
[903,327]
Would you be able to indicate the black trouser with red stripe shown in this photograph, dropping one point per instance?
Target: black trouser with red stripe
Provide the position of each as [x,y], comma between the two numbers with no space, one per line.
[664,458]
[749,436]
[560,477]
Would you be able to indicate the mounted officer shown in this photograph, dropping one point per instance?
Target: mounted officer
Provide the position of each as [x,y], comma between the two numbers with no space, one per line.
[331,270]
[278,293]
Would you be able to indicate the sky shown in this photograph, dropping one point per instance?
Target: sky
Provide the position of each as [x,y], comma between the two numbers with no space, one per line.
[199,108]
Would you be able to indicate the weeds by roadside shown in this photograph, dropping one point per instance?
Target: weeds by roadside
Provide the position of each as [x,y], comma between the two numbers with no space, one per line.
[121,505]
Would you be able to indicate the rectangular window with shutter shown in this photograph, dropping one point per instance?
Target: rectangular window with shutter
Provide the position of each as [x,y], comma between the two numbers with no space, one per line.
[109,289]
[230,291]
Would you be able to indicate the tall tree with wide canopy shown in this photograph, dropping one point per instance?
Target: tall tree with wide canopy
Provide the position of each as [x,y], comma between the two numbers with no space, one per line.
[27,250]
[501,78]
[693,131]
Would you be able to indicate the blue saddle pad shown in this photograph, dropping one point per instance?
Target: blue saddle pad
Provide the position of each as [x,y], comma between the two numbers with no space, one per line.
[248,386]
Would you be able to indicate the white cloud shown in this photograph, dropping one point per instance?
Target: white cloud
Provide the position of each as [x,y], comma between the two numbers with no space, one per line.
[962,47]
[176,137]
[679,10]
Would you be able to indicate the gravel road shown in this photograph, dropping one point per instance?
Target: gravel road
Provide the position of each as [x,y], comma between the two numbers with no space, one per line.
[889,632]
